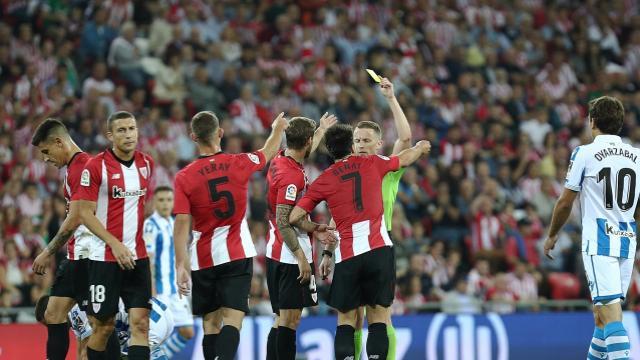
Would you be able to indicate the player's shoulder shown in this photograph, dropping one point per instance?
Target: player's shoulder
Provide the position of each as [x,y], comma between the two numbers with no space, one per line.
[143,156]
[254,157]
[81,158]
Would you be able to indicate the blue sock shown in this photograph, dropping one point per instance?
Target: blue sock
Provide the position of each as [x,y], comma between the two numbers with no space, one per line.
[618,346]
[174,344]
[598,348]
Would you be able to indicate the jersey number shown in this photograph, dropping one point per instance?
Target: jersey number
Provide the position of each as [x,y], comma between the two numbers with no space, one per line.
[623,204]
[97,293]
[357,189]
[217,195]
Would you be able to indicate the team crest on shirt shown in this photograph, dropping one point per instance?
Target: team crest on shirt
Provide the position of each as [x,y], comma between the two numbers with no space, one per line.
[143,172]
[96,307]
[383,157]
[254,158]
[291,192]
[85,178]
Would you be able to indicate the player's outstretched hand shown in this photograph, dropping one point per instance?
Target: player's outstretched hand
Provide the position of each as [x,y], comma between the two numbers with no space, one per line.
[326,235]
[280,123]
[549,244]
[425,146]
[305,271]
[386,87]
[184,281]
[42,263]
[325,267]
[327,120]
[123,256]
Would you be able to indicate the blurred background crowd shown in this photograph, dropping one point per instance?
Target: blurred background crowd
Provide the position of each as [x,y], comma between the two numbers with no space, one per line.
[499,88]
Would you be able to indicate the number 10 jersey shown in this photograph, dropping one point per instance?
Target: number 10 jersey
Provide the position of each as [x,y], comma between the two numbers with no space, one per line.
[213,190]
[605,173]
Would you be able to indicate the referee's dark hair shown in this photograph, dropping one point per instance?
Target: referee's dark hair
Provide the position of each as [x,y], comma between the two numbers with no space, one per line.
[204,126]
[339,140]
[366,124]
[41,307]
[162,188]
[118,115]
[607,114]
[299,132]
[49,127]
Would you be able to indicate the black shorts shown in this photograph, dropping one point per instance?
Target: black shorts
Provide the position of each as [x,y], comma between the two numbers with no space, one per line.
[366,279]
[285,290]
[108,283]
[226,285]
[71,281]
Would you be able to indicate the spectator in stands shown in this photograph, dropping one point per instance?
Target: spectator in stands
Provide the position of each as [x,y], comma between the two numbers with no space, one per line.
[522,283]
[459,301]
[125,56]
[97,34]
[502,298]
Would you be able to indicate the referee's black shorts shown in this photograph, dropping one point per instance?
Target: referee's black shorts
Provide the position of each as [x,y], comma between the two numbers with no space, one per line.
[365,279]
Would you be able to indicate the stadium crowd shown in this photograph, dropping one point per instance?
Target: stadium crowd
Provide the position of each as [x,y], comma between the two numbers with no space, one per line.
[499,88]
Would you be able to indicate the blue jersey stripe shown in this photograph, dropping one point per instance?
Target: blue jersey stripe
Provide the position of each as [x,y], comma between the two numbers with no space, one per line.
[625,242]
[172,261]
[604,242]
[575,152]
[158,256]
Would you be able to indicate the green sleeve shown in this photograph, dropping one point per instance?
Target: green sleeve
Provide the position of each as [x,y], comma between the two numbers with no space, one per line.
[390,184]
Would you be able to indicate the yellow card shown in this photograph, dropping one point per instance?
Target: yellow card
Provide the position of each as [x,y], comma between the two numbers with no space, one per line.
[373,75]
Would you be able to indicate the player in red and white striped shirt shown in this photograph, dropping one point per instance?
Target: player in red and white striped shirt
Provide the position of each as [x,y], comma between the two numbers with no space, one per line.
[70,285]
[212,191]
[364,272]
[112,194]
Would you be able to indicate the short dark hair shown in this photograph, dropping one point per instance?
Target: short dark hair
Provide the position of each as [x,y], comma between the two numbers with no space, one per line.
[300,130]
[366,124]
[118,115]
[339,140]
[204,125]
[607,114]
[162,188]
[46,129]
[41,307]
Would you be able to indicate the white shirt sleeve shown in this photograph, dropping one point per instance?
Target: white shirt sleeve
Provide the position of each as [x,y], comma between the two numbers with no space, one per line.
[150,232]
[575,172]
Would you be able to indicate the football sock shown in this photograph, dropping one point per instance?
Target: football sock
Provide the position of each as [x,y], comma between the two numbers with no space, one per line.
[272,344]
[138,352]
[377,342]
[598,348]
[209,346]
[57,341]
[95,355]
[286,343]
[227,343]
[344,343]
[357,337]
[391,334]
[174,344]
[112,351]
[618,346]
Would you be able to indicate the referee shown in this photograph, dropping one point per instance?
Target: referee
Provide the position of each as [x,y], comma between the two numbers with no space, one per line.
[367,140]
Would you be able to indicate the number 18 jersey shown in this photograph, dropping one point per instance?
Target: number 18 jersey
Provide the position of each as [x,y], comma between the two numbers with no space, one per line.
[605,173]
[213,190]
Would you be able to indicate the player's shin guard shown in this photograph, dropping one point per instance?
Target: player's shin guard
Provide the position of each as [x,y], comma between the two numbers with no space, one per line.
[343,344]
[209,346]
[174,344]
[227,343]
[286,343]
[138,352]
[377,342]
[598,347]
[391,334]
[272,344]
[57,341]
[617,340]
[357,337]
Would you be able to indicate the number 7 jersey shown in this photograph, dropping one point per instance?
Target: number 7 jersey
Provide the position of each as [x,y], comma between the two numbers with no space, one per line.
[605,173]
[213,190]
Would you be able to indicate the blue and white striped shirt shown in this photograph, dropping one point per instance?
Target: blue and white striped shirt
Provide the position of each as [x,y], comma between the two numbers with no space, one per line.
[158,235]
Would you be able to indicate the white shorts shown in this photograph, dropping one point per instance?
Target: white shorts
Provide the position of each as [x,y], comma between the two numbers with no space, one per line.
[180,309]
[608,277]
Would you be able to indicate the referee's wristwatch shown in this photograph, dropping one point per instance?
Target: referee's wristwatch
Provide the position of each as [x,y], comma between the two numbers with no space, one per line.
[327,253]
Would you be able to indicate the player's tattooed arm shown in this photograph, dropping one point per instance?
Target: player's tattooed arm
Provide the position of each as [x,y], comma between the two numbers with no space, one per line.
[68,227]
[286,229]
[298,218]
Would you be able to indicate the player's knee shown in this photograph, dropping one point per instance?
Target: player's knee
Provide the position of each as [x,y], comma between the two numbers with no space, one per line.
[186,332]
[290,318]
[377,314]
[140,326]
[52,316]
[232,317]
[103,328]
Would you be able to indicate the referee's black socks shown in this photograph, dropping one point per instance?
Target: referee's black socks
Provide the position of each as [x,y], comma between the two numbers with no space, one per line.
[344,344]
[227,343]
[138,352]
[378,341]
[57,341]
[209,346]
[272,344]
[286,343]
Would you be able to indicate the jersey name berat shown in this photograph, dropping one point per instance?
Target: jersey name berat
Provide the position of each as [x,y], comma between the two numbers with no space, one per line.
[346,168]
[213,167]
[604,153]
